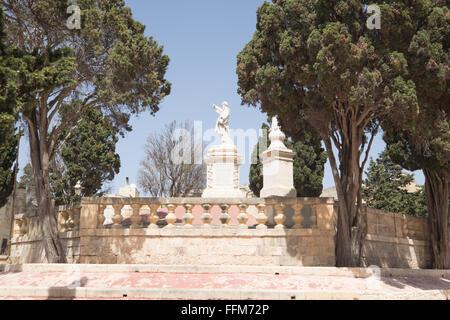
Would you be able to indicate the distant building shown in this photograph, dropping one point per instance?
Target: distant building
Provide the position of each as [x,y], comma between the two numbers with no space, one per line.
[329,193]
[332,193]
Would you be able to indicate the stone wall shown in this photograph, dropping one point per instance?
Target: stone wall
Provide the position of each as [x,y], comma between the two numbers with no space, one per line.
[215,246]
[396,241]
[20,206]
[255,231]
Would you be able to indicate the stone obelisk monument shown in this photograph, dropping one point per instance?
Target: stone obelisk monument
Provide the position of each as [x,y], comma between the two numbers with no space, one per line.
[277,160]
[223,161]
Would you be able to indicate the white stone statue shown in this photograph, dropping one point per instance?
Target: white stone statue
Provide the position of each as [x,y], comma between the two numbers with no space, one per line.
[223,161]
[222,127]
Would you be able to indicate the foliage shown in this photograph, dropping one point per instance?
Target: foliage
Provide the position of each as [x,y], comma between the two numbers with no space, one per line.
[109,64]
[10,62]
[88,156]
[423,142]
[315,62]
[385,188]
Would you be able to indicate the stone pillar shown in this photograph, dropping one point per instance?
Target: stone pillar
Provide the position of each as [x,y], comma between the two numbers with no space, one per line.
[101,217]
[135,218]
[279,217]
[261,217]
[154,218]
[243,217]
[206,217]
[171,218]
[277,160]
[188,218]
[224,217]
[223,164]
[117,217]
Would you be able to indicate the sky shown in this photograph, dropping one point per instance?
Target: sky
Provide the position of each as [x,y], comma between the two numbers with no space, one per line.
[202,39]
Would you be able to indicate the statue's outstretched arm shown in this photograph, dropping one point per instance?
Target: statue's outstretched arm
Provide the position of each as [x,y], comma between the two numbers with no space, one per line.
[217,108]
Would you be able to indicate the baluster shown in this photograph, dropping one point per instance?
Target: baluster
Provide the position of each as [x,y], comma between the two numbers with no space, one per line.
[101,216]
[70,223]
[298,217]
[261,217]
[206,217]
[224,217]
[188,218]
[279,217]
[63,222]
[154,218]
[135,217]
[171,218]
[243,217]
[117,217]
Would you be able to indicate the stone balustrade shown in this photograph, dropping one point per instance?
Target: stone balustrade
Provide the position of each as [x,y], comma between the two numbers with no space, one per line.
[259,213]
[227,231]
[69,218]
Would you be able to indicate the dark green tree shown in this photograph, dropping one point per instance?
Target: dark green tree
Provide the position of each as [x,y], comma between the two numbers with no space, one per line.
[26,181]
[255,177]
[309,162]
[424,142]
[10,63]
[108,64]
[87,155]
[316,62]
[385,188]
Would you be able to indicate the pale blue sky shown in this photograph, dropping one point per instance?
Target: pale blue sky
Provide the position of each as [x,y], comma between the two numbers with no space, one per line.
[202,39]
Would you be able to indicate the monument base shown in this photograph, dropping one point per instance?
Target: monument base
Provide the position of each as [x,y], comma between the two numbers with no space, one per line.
[223,164]
[278,192]
[278,174]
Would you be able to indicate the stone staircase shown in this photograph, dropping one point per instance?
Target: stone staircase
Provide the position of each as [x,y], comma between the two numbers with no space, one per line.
[75,281]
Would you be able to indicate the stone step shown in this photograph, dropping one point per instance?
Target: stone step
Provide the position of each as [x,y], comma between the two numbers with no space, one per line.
[30,293]
[71,281]
[294,270]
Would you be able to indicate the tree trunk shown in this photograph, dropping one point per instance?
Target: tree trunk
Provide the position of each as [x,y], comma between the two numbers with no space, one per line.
[46,209]
[436,189]
[349,233]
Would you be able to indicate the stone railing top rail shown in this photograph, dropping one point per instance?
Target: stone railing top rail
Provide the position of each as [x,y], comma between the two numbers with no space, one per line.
[212,201]
[68,207]
[393,214]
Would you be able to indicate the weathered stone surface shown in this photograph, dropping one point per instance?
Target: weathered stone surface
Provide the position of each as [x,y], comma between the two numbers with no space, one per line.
[392,240]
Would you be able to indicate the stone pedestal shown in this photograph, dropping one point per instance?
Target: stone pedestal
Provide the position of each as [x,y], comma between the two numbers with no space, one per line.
[223,164]
[278,172]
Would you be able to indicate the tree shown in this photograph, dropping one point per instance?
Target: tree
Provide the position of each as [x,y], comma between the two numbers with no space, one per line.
[26,181]
[107,64]
[10,64]
[385,188]
[169,168]
[87,155]
[424,142]
[309,162]
[315,62]
[255,176]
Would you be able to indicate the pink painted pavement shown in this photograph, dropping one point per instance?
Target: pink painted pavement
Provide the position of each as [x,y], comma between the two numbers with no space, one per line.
[253,281]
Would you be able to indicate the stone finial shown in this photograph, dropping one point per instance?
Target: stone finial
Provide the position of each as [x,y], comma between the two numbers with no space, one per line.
[276,136]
